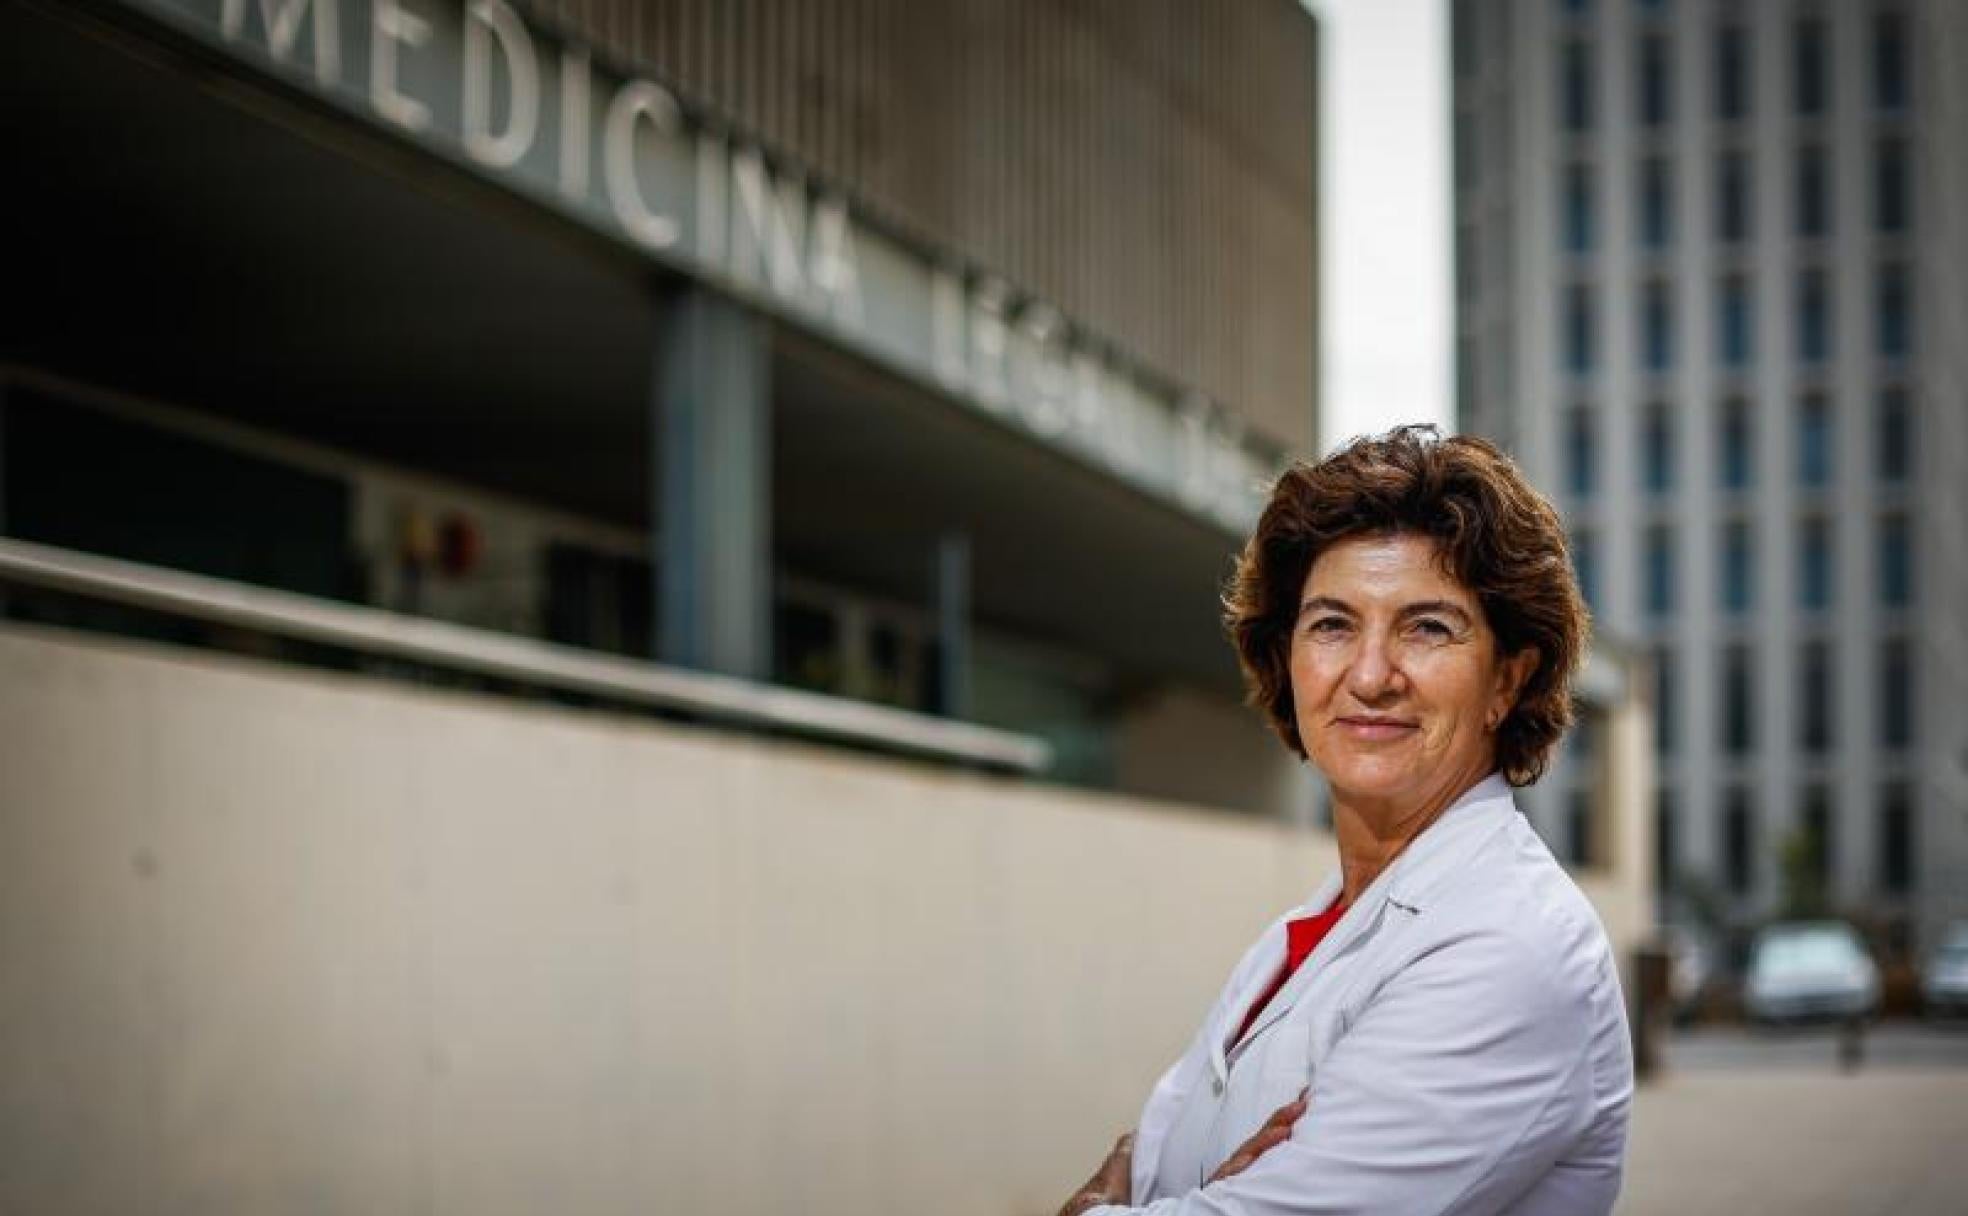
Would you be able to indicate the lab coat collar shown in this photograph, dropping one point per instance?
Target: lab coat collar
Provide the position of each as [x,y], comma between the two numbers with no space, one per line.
[1419,873]
[1410,884]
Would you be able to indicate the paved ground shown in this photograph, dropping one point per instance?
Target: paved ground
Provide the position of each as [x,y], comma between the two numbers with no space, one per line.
[1891,1045]
[1749,1124]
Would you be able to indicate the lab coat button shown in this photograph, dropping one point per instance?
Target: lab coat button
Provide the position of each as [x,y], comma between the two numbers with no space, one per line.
[1217,1085]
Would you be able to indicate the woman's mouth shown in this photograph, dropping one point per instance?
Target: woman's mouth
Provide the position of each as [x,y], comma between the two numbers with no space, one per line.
[1375,729]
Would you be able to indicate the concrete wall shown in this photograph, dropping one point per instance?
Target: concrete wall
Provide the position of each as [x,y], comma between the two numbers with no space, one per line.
[274,941]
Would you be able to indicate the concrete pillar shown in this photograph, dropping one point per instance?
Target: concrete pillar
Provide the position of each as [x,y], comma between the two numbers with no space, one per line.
[712,429]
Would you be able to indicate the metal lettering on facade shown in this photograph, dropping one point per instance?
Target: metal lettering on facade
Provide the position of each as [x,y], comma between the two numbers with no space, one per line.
[472,81]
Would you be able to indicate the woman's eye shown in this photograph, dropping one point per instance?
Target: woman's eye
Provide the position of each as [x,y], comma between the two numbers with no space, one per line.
[1432,629]
[1326,625]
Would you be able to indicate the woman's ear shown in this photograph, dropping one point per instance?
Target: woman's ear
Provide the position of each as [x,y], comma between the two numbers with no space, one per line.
[1512,674]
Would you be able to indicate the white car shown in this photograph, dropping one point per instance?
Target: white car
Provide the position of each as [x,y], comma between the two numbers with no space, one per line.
[1806,970]
[1944,981]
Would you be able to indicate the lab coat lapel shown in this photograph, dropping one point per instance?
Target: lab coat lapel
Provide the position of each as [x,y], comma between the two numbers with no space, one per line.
[1353,924]
[1260,975]
[1406,884]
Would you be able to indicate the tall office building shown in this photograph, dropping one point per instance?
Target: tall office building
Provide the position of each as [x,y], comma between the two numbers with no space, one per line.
[1712,290]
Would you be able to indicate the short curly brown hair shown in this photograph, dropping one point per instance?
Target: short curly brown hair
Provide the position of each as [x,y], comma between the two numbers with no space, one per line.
[1497,536]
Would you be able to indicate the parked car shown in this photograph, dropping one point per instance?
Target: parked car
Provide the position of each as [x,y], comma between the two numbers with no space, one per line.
[1944,980]
[1810,970]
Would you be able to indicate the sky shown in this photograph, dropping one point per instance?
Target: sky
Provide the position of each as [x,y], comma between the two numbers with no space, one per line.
[1384,219]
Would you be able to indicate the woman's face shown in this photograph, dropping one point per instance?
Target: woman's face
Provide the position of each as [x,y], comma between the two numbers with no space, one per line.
[1395,675]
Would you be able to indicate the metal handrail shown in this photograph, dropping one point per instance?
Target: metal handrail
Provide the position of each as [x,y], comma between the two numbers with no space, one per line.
[440,643]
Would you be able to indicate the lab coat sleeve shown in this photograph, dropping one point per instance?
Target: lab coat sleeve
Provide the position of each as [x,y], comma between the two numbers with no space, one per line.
[1462,1082]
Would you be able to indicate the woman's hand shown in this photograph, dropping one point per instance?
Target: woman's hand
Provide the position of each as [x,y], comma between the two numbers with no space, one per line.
[1113,1182]
[1276,1130]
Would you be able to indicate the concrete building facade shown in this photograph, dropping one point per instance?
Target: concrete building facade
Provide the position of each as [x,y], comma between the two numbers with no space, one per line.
[934,356]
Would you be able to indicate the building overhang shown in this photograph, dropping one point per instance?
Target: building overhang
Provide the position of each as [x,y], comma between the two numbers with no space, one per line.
[484,90]
[204,237]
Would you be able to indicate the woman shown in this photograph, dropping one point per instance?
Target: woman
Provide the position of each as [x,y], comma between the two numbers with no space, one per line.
[1440,1027]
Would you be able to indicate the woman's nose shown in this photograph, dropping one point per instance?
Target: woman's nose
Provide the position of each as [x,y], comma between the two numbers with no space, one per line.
[1373,673]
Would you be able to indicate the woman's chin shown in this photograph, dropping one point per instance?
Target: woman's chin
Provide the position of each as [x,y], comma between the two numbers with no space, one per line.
[1376,782]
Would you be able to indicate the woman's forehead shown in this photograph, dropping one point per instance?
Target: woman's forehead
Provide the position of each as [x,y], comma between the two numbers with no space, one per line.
[1398,566]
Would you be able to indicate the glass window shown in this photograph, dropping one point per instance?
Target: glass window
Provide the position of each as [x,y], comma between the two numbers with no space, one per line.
[1738,446]
[1584,741]
[1656,203]
[1462,33]
[1889,74]
[1731,72]
[1585,566]
[1809,82]
[1578,329]
[1738,328]
[1896,693]
[1738,567]
[1581,453]
[1666,861]
[1578,811]
[1896,838]
[1895,311]
[1813,192]
[1657,450]
[1814,438]
[81,478]
[1813,317]
[1895,436]
[1814,563]
[601,601]
[1657,326]
[1657,553]
[1465,260]
[1738,702]
[1656,81]
[1739,840]
[1890,196]
[1578,208]
[1575,85]
[1465,369]
[1819,836]
[1732,199]
[1895,560]
[1814,666]
[1463,134]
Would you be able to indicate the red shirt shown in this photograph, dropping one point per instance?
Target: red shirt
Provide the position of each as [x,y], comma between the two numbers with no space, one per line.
[1302,936]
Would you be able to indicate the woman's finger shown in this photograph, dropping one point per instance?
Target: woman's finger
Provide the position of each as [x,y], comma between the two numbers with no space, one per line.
[1247,1154]
[1275,1131]
[1287,1114]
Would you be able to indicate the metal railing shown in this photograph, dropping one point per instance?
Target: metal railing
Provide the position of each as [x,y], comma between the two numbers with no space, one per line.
[528,661]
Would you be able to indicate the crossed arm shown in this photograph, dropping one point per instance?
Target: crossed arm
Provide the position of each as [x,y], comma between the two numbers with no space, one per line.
[1462,1084]
[1110,1184]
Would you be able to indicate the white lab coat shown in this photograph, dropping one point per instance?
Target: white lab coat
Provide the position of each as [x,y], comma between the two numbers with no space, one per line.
[1462,1033]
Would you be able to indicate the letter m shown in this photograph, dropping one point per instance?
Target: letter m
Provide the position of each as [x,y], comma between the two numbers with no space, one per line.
[282,19]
